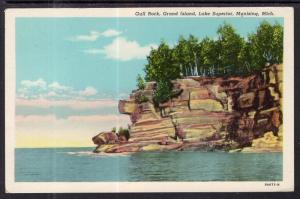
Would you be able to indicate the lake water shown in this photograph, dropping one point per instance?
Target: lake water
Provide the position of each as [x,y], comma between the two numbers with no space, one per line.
[81,165]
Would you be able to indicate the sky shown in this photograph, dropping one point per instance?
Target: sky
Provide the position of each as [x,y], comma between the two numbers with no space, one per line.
[71,72]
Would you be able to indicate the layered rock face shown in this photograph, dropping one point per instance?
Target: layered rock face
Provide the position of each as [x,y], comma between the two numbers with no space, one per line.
[208,113]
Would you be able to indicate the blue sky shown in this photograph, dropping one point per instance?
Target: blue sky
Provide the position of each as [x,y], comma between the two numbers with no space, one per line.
[60,61]
[45,48]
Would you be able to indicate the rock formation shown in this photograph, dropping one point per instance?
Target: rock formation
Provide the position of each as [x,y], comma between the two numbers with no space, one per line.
[208,114]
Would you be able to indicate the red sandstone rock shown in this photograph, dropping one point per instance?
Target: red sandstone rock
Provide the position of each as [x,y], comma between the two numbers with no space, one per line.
[105,138]
[207,109]
[127,106]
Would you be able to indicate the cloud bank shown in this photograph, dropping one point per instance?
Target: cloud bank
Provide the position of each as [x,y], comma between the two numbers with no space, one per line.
[73,104]
[40,89]
[73,118]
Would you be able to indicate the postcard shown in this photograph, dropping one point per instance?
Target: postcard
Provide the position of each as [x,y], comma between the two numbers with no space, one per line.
[194,99]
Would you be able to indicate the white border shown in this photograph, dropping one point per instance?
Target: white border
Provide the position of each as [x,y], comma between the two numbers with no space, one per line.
[287,184]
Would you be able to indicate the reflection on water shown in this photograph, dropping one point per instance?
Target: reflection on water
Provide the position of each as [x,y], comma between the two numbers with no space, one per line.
[80,165]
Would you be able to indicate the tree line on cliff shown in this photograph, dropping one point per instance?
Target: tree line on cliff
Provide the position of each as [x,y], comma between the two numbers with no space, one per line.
[228,55]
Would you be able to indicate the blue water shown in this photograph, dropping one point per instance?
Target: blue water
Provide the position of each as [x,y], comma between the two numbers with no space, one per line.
[80,165]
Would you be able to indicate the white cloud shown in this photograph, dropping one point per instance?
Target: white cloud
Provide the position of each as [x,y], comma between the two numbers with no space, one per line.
[124,50]
[40,83]
[88,91]
[111,33]
[39,88]
[57,87]
[94,35]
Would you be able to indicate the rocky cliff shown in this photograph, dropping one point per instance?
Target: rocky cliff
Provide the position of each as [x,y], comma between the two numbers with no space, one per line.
[242,113]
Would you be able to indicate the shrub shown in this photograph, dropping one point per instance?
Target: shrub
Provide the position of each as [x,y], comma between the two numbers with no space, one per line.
[163,92]
[141,98]
[124,132]
[140,82]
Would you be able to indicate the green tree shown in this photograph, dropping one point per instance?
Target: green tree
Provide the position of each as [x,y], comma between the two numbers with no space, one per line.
[162,68]
[161,64]
[268,44]
[263,43]
[194,55]
[181,55]
[244,59]
[277,44]
[209,57]
[187,55]
[230,45]
[228,55]
[163,92]
[140,82]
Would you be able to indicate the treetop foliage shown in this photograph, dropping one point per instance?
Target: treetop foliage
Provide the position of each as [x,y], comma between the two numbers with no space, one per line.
[227,55]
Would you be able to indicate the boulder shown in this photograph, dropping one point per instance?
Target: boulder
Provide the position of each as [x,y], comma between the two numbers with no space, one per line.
[105,138]
[104,148]
[268,143]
